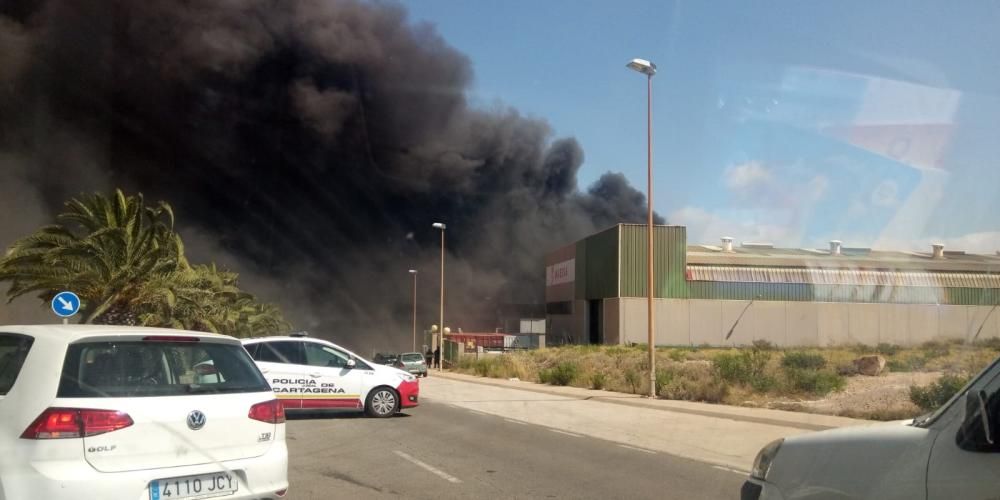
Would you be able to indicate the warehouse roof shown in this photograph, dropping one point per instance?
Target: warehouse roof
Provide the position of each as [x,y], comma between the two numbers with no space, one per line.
[757,254]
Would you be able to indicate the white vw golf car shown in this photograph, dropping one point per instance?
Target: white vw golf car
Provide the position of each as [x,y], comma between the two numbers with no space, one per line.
[104,412]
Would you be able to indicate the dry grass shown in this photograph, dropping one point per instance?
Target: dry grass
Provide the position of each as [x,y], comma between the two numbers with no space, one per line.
[693,373]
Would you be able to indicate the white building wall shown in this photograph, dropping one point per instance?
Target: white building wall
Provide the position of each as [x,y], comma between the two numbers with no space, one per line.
[893,324]
[744,331]
[633,321]
[980,316]
[802,323]
[673,321]
[862,324]
[925,323]
[698,322]
[954,322]
[770,321]
[833,324]
[705,320]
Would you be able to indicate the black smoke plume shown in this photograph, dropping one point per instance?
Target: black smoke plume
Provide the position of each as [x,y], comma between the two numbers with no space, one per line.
[308,145]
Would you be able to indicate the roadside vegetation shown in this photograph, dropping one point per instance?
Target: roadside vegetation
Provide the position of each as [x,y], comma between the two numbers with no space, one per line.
[124,260]
[759,375]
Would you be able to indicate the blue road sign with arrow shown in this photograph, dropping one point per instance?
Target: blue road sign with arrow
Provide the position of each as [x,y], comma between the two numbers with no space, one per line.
[65,304]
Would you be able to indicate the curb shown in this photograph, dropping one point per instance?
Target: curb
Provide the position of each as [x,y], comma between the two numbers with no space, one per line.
[637,401]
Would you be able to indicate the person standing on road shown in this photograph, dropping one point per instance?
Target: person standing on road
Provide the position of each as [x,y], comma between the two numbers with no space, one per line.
[437,357]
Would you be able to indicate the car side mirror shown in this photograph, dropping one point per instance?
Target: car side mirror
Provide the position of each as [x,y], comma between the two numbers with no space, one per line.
[978,430]
[351,363]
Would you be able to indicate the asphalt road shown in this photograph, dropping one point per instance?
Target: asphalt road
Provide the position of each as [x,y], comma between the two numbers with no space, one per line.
[440,451]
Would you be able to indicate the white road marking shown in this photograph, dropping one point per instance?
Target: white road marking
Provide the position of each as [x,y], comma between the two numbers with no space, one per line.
[566,433]
[651,452]
[429,468]
[514,421]
[727,469]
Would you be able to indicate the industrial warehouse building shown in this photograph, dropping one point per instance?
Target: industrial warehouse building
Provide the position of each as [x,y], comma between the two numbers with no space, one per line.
[596,292]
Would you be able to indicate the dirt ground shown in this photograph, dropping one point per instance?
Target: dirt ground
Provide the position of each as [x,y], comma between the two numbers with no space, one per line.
[885,397]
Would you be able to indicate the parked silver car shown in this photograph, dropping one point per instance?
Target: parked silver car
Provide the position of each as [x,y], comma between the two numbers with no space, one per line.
[414,363]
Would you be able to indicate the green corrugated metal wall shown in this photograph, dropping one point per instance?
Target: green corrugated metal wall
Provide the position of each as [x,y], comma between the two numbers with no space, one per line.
[596,265]
[669,260]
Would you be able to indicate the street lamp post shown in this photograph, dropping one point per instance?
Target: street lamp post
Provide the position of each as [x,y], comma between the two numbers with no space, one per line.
[440,341]
[414,273]
[649,69]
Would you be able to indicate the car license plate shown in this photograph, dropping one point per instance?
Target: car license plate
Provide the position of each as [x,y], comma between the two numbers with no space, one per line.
[191,487]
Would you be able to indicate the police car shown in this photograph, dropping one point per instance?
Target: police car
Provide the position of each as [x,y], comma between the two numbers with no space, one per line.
[309,374]
[90,411]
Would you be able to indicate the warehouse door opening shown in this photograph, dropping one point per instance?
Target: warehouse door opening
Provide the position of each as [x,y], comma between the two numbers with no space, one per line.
[595,320]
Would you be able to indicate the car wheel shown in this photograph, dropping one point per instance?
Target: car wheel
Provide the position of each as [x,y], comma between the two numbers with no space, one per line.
[382,402]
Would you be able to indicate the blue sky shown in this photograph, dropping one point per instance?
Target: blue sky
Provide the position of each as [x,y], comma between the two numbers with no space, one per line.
[791,122]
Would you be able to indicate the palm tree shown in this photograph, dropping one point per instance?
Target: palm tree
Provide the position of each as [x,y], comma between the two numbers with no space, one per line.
[104,248]
[127,264]
[203,297]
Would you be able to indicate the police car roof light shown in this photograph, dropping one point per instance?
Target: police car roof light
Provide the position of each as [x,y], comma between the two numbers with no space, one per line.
[299,334]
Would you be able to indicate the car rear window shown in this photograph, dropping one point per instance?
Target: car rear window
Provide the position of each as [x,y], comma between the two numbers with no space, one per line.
[13,350]
[412,357]
[154,368]
[288,352]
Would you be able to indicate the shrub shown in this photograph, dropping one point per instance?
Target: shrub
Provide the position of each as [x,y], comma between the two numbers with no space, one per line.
[862,349]
[598,380]
[562,374]
[632,379]
[990,343]
[709,390]
[906,364]
[887,349]
[758,357]
[883,414]
[746,367]
[730,367]
[937,393]
[466,363]
[935,349]
[619,355]
[847,369]
[803,360]
[764,383]
[482,366]
[663,377]
[817,382]
[677,355]
[694,383]
[763,345]
[497,366]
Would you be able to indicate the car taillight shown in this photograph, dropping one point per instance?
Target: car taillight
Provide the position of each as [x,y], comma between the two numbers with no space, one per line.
[269,411]
[59,423]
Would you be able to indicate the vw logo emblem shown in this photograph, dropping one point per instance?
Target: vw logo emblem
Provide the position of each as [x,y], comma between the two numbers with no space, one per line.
[196,420]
